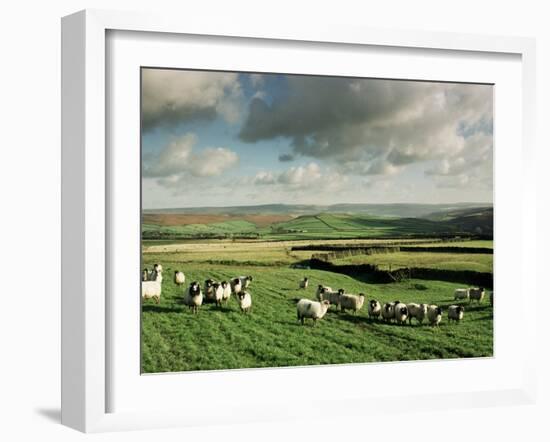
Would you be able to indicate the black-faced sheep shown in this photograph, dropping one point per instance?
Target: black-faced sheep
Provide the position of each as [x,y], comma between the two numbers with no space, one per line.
[303,283]
[417,311]
[245,301]
[388,311]
[194,297]
[456,313]
[374,308]
[477,294]
[434,314]
[226,291]
[401,313]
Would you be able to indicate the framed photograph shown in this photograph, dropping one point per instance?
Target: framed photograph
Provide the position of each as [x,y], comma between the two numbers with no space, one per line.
[251,213]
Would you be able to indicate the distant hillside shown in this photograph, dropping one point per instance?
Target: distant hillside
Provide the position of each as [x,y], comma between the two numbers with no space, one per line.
[400,210]
[477,220]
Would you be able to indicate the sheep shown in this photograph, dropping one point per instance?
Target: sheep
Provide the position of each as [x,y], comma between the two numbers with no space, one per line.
[209,295]
[477,294]
[417,311]
[157,269]
[179,277]
[194,297]
[388,312]
[236,285]
[332,297]
[351,302]
[462,294]
[145,275]
[245,281]
[306,308]
[401,313]
[434,314]
[245,301]
[304,283]
[152,289]
[226,291]
[320,290]
[218,293]
[374,308]
[455,313]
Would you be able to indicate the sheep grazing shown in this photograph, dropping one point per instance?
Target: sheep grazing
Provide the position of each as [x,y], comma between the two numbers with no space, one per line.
[417,311]
[245,301]
[351,302]
[303,283]
[401,313]
[179,278]
[434,314]
[388,311]
[245,281]
[320,290]
[145,275]
[152,289]
[194,297]
[306,308]
[226,291]
[374,308]
[477,294]
[236,285]
[462,294]
[456,313]
[332,297]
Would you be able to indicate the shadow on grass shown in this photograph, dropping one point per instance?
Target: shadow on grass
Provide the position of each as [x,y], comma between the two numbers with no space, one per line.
[159,308]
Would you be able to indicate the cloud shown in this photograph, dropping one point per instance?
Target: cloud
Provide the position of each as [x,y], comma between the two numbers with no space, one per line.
[306,177]
[171,96]
[369,126]
[178,160]
[285,157]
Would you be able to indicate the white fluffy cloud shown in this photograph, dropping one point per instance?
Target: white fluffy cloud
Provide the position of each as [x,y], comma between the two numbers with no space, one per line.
[178,160]
[378,127]
[171,96]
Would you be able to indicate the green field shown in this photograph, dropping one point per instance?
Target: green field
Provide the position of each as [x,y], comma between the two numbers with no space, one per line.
[175,340]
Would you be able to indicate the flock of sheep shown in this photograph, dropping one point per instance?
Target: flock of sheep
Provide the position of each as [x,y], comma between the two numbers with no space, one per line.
[391,311]
[219,292]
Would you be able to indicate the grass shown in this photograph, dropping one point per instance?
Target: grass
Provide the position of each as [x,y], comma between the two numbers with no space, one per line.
[175,340]
[442,261]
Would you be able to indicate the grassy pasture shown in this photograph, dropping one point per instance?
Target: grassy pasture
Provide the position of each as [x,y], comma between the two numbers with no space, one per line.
[442,261]
[175,340]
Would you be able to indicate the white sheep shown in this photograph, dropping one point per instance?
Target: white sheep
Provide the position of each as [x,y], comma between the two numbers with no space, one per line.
[194,297]
[456,313]
[417,311]
[179,277]
[351,302]
[245,301]
[332,297]
[303,283]
[434,314]
[388,311]
[306,308]
[226,291]
[320,290]
[477,294]
[401,313]
[374,308]
[245,281]
[236,285]
[152,289]
[218,293]
[462,294]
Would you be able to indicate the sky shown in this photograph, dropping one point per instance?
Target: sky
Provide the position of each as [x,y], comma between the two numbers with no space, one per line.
[229,138]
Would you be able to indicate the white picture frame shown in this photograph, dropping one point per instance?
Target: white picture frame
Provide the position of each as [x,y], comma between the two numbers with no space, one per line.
[86,209]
